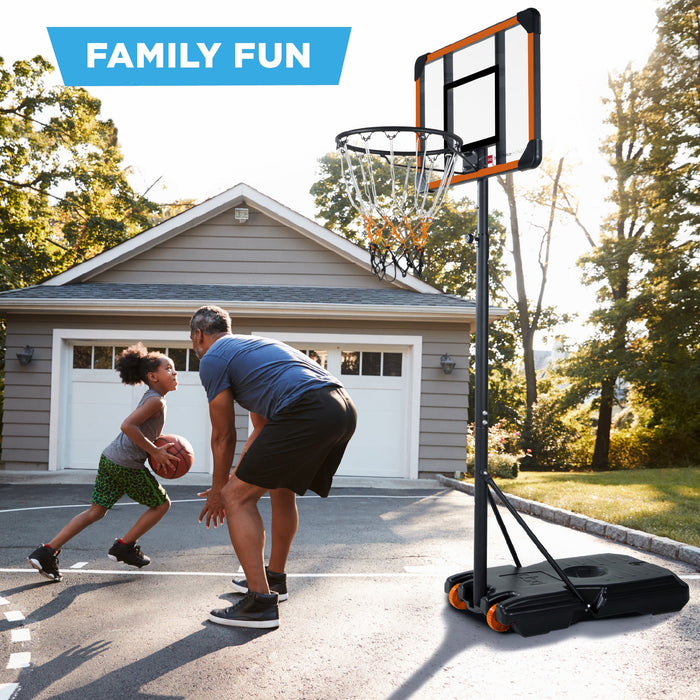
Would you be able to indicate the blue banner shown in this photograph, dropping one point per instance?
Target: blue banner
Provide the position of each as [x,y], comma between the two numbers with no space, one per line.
[89,56]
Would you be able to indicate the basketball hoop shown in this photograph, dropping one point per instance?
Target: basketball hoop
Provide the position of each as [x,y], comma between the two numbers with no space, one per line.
[394,202]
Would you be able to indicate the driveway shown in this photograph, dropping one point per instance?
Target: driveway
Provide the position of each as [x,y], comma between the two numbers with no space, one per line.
[366,617]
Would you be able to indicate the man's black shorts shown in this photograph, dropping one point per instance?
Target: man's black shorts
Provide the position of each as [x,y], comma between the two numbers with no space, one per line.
[301,447]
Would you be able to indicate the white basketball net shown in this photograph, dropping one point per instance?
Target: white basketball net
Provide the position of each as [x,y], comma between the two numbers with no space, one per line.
[397,219]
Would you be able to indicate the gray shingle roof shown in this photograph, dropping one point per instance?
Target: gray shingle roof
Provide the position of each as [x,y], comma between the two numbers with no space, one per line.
[234,293]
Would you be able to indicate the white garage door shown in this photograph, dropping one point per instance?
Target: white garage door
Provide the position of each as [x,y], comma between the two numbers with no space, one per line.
[99,403]
[378,377]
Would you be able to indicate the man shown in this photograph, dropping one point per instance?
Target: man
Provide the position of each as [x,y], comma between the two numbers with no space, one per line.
[302,421]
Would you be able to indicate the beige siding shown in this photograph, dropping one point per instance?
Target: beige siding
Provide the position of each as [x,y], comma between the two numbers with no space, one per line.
[25,443]
[444,402]
[261,251]
[443,410]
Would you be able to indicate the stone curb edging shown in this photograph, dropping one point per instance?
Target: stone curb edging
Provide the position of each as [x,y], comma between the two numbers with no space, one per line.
[663,546]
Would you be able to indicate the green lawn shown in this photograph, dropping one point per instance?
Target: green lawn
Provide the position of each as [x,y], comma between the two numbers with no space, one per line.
[664,502]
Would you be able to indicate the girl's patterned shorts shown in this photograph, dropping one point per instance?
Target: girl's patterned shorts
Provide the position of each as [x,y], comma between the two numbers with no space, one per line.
[113,481]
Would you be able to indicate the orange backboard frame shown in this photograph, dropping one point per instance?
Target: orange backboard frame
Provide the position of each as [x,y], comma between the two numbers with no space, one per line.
[478,162]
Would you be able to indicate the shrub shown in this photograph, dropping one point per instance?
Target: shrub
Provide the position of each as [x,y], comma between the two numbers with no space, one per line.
[552,433]
[503,466]
[635,447]
[629,448]
[503,456]
[653,448]
[580,451]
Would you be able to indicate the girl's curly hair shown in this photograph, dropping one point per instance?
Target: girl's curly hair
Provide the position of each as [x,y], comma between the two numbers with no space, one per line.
[136,362]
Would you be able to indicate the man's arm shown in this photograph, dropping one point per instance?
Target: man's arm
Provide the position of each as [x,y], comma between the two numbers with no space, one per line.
[223,447]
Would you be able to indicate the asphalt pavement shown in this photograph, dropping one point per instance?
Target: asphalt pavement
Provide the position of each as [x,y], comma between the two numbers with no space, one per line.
[366,616]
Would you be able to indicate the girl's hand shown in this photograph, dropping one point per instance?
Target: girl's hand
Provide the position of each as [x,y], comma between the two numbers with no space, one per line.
[165,462]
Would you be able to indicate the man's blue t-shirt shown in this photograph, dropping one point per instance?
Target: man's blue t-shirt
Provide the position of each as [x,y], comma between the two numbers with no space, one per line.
[264,375]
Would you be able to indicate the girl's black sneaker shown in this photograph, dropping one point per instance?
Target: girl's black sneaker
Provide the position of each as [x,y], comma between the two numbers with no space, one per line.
[45,560]
[128,553]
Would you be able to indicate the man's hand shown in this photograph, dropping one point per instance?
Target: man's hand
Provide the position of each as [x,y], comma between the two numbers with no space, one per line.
[213,512]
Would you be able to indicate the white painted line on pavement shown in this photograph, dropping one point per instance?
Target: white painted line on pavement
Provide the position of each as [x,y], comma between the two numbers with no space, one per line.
[14,616]
[139,572]
[409,572]
[21,635]
[4,601]
[414,497]
[79,564]
[8,690]
[79,505]
[21,659]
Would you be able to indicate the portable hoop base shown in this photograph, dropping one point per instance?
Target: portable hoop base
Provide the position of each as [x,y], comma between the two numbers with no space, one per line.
[533,600]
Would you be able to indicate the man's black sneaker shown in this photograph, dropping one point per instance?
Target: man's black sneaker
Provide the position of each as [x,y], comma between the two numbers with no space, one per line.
[45,560]
[276,582]
[128,553]
[258,610]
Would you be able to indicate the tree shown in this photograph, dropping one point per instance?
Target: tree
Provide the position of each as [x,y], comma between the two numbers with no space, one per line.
[531,317]
[666,371]
[64,194]
[613,262]
[647,257]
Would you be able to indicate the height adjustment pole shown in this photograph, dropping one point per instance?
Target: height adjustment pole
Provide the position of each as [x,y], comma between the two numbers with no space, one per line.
[481,400]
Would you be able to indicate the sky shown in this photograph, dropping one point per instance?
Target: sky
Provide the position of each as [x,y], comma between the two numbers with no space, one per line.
[195,142]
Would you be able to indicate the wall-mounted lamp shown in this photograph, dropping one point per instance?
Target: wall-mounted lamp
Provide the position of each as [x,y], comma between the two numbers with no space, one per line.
[241,215]
[447,363]
[25,355]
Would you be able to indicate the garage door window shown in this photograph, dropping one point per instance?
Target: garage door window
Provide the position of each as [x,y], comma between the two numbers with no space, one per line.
[391,366]
[104,357]
[320,356]
[371,364]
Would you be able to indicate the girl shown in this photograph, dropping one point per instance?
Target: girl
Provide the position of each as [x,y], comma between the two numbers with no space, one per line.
[122,467]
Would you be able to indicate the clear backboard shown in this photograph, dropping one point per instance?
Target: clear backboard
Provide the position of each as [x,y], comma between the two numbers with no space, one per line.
[485,88]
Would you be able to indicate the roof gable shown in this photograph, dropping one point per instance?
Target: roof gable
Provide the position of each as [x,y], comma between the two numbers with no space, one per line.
[319,252]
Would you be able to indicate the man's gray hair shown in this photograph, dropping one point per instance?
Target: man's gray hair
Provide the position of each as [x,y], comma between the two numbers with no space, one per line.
[210,320]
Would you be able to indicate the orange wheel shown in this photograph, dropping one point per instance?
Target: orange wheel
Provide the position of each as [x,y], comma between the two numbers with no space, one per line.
[493,623]
[455,600]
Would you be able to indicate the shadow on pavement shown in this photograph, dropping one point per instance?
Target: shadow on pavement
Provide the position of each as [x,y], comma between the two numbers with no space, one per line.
[127,681]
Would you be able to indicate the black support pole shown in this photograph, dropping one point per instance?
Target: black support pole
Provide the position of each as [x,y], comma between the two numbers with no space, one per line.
[481,400]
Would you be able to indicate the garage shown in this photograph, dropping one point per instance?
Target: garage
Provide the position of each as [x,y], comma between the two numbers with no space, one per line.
[278,274]
[378,375]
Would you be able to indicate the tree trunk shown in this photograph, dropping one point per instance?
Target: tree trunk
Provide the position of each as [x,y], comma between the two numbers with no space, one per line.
[601,451]
[526,328]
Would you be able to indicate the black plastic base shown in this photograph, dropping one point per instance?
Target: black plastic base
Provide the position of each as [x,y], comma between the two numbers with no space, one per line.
[534,600]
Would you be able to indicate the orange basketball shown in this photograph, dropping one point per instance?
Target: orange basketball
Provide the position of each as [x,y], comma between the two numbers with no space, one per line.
[180,448]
